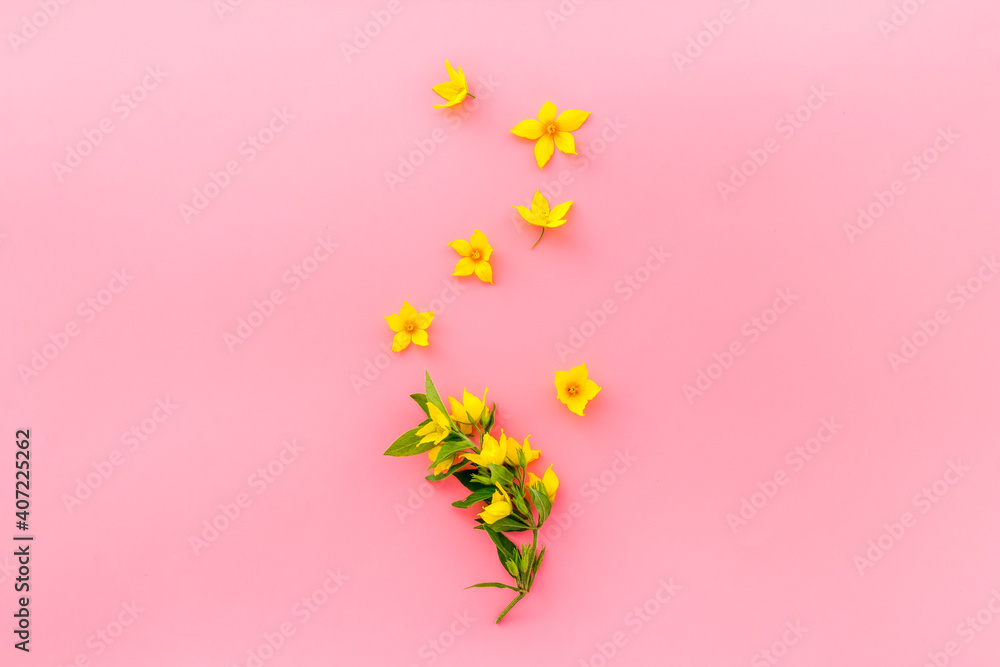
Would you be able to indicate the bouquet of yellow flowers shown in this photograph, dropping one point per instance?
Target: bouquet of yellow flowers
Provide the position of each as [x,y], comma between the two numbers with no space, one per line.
[458,441]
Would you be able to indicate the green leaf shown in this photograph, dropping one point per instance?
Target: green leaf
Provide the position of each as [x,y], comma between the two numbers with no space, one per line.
[507,524]
[409,444]
[492,584]
[526,555]
[541,502]
[432,394]
[421,400]
[465,478]
[482,479]
[538,561]
[505,548]
[484,493]
[449,447]
[519,502]
[500,475]
[488,422]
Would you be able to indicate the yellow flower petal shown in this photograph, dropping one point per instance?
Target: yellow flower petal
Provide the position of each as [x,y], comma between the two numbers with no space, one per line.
[482,244]
[464,267]
[539,205]
[444,465]
[491,453]
[589,389]
[529,129]
[450,103]
[562,379]
[437,416]
[495,511]
[474,406]
[529,453]
[544,149]
[484,272]
[576,404]
[407,311]
[527,215]
[462,247]
[452,74]
[419,337]
[578,373]
[560,210]
[400,341]
[547,114]
[423,320]
[571,120]
[396,322]
[448,90]
[436,435]
[458,412]
[551,483]
[564,142]
[510,447]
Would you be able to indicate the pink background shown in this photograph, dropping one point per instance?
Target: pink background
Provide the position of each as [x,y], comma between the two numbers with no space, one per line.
[670,133]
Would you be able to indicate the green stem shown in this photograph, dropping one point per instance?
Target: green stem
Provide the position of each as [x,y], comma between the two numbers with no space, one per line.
[534,555]
[524,587]
[520,594]
[466,438]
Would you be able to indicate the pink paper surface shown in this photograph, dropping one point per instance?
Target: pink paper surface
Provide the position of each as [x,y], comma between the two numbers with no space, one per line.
[780,266]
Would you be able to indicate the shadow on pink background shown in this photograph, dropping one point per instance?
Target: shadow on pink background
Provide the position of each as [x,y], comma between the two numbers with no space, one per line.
[195,336]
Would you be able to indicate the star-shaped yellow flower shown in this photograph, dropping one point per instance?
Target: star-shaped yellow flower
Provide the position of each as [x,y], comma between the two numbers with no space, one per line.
[410,326]
[548,480]
[510,446]
[475,257]
[543,216]
[551,132]
[574,388]
[498,508]
[453,91]
[437,429]
[492,453]
[469,411]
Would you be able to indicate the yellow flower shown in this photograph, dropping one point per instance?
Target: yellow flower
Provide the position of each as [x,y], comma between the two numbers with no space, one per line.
[491,454]
[475,257]
[548,480]
[498,508]
[437,429]
[511,448]
[574,388]
[551,131]
[453,91]
[541,215]
[444,465]
[469,411]
[409,326]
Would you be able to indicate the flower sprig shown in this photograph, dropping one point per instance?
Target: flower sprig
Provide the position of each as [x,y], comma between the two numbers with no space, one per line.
[494,471]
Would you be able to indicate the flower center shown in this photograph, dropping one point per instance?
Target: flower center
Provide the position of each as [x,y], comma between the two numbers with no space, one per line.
[573,390]
[410,326]
[475,254]
[551,128]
